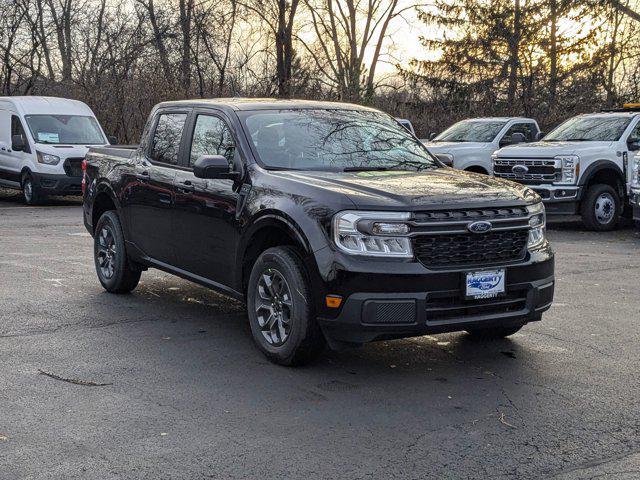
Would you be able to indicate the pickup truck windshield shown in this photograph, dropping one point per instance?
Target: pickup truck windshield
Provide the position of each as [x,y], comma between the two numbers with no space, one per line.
[65,129]
[342,140]
[590,129]
[471,131]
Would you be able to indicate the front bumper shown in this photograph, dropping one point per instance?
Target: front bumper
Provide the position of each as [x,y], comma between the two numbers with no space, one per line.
[559,199]
[57,184]
[386,306]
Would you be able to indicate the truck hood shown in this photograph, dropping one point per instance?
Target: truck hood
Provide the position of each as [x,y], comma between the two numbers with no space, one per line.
[552,149]
[393,190]
[455,147]
[63,151]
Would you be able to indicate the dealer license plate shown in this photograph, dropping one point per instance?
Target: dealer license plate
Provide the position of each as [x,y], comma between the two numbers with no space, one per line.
[486,284]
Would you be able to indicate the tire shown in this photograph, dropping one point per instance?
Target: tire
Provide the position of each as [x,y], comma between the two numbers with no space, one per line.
[494,333]
[280,309]
[30,192]
[110,256]
[601,208]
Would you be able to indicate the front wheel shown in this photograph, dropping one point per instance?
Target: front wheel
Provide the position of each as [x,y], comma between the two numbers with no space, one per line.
[112,265]
[601,208]
[280,308]
[30,191]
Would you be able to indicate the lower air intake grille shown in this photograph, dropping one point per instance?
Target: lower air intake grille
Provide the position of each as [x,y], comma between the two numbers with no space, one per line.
[461,249]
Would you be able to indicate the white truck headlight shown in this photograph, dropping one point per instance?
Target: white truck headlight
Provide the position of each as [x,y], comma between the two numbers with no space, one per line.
[445,158]
[374,234]
[47,158]
[635,172]
[537,222]
[569,169]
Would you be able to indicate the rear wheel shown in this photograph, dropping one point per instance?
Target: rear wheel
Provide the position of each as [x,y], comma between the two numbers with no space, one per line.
[601,208]
[280,308]
[30,191]
[493,333]
[112,265]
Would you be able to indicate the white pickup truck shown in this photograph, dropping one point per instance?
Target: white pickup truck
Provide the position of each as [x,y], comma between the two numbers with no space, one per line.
[584,166]
[469,144]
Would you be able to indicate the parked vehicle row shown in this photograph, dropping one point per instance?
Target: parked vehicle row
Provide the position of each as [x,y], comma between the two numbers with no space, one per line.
[43,141]
[331,221]
[588,165]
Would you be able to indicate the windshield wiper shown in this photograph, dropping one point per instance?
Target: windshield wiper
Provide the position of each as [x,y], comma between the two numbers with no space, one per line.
[365,169]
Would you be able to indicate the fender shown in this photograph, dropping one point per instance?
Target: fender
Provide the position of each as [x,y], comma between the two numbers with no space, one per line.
[102,187]
[270,218]
[598,166]
[276,219]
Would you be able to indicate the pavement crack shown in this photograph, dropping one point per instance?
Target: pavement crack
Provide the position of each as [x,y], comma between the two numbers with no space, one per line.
[75,381]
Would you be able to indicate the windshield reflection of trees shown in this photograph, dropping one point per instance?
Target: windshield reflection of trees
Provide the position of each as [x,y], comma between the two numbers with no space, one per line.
[590,129]
[335,140]
[469,131]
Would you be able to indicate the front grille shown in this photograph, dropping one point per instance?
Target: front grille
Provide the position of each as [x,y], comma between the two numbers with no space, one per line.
[449,306]
[539,170]
[73,167]
[471,249]
[471,215]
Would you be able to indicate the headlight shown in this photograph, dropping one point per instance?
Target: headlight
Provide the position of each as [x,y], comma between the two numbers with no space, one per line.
[635,173]
[537,222]
[569,169]
[445,158]
[47,158]
[376,234]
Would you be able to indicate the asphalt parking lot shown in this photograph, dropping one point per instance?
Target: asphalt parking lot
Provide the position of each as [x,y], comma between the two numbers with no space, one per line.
[166,384]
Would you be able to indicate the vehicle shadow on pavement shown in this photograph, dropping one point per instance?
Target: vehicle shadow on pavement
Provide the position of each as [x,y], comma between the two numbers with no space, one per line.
[14,198]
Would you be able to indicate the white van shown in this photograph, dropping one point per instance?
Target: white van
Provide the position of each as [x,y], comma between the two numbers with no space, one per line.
[43,141]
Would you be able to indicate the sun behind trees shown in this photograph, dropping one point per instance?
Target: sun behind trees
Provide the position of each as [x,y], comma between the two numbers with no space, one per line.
[548,59]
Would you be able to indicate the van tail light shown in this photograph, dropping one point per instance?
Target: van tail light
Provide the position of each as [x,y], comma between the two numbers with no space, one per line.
[84,176]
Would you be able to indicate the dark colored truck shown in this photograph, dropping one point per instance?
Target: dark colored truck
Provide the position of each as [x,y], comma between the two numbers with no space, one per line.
[331,221]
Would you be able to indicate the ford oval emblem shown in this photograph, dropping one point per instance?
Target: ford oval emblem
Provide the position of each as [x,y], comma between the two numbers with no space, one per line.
[519,169]
[479,227]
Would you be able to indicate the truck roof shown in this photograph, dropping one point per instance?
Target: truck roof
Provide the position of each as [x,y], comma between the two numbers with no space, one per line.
[500,119]
[31,105]
[249,104]
[612,113]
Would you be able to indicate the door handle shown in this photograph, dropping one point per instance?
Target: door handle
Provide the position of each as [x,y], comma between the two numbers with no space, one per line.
[186,186]
[142,175]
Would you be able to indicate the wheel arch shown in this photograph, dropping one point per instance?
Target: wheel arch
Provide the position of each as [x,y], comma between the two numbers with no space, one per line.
[271,229]
[104,200]
[606,172]
[476,168]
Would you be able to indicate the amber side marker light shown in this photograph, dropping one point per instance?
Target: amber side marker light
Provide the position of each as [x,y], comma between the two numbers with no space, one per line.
[333,301]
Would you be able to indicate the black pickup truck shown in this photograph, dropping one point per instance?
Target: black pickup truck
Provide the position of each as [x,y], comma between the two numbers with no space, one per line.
[331,221]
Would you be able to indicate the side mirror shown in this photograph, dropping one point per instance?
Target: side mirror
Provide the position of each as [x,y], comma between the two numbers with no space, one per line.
[540,136]
[213,166]
[18,143]
[432,135]
[113,140]
[633,144]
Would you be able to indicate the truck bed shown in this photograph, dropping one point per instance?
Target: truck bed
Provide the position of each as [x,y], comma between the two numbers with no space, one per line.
[120,151]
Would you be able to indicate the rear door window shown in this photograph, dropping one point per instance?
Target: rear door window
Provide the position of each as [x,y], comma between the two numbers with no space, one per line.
[165,144]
